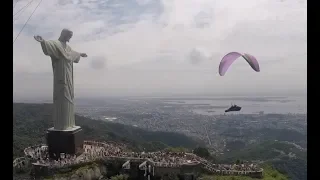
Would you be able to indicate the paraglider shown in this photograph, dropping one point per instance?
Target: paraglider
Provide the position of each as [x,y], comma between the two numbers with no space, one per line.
[233,108]
[229,58]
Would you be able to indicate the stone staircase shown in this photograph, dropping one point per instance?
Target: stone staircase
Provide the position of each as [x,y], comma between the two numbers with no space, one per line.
[208,166]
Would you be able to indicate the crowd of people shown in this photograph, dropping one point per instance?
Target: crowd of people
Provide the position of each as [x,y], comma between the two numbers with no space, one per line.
[21,163]
[239,167]
[37,152]
[99,150]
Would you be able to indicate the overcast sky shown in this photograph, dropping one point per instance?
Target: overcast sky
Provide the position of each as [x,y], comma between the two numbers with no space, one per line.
[138,47]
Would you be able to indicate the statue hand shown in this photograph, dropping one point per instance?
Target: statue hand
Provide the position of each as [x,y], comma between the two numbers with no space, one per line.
[38,38]
[83,55]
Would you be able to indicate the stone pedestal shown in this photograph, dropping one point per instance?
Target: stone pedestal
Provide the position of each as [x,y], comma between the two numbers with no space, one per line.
[68,141]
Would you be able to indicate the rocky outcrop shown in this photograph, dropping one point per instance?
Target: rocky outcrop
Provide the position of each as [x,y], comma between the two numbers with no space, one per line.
[93,172]
[96,171]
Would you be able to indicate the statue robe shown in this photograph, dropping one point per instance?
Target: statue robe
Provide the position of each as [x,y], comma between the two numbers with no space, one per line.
[62,58]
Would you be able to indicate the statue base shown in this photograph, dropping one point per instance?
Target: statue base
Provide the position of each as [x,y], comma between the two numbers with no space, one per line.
[68,141]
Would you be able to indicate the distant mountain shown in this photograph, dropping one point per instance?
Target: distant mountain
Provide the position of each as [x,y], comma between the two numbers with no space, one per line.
[32,120]
[284,156]
[266,134]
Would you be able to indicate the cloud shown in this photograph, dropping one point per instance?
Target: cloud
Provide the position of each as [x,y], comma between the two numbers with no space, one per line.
[98,62]
[198,55]
[149,45]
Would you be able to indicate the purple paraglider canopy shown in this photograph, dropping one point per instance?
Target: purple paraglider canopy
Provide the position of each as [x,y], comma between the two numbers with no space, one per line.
[228,59]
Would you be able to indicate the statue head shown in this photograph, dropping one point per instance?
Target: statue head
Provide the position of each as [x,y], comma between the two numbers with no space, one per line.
[65,35]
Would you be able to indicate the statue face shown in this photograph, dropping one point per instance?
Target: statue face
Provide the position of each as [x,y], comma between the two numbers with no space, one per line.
[66,35]
[69,36]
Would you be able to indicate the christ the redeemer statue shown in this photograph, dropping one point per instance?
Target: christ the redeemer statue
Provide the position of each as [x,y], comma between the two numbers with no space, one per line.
[62,58]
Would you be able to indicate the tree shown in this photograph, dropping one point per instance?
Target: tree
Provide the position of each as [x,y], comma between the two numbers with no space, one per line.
[202,152]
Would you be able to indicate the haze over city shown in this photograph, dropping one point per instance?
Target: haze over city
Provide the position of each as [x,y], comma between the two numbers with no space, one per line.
[160,47]
[152,96]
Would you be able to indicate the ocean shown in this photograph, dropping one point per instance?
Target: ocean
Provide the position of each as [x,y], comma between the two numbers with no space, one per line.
[250,105]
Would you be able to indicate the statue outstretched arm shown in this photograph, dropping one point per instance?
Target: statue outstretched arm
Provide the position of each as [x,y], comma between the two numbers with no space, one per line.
[83,55]
[42,42]
[77,59]
[38,38]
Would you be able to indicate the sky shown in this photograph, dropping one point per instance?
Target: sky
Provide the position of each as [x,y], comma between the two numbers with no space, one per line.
[153,47]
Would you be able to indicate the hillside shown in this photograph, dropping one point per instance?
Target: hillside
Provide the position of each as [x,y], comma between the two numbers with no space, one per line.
[32,120]
[284,156]
[269,173]
[265,134]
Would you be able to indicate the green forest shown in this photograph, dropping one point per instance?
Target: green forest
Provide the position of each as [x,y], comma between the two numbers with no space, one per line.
[30,122]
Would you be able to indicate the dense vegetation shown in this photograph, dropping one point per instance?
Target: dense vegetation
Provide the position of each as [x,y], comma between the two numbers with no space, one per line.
[285,157]
[265,134]
[32,120]
[202,152]
[269,173]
